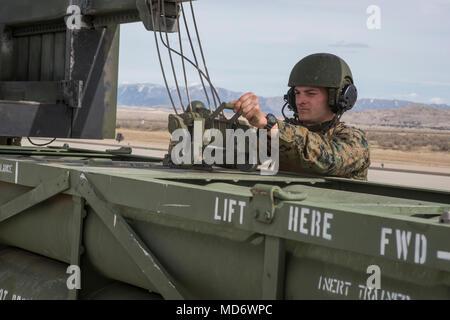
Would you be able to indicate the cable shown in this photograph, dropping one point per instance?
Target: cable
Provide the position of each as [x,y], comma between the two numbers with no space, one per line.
[195,56]
[150,7]
[168,47]
[201,50]
[39,144]
[212,88]
[201,72]
[182,62]
[282,111]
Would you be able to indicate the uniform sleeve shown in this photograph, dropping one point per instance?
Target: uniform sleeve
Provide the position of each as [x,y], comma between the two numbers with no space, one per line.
[344,154]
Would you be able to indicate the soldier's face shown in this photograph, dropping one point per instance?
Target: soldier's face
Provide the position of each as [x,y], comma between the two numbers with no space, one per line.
[312,105]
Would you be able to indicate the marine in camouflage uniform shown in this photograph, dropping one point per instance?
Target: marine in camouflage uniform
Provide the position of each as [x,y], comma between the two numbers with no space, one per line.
[321,144]
[341,151]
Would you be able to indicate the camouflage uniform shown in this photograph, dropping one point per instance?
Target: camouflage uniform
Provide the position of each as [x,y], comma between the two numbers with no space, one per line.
[339,151]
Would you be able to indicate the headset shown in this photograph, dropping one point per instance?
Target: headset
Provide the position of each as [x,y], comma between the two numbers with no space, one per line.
[339,100]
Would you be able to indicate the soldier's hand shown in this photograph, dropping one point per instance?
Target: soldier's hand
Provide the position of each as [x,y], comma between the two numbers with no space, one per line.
[249,107]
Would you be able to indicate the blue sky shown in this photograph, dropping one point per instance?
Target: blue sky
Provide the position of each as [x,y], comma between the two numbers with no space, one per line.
[251,45]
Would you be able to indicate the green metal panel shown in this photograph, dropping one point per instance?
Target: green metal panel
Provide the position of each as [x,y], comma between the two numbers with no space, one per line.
[7,58]
[137,250]
[59,55]
[46,92]
[48,56]
[25,276]
[206,236]
[34,62]
[25,11]
[22,61]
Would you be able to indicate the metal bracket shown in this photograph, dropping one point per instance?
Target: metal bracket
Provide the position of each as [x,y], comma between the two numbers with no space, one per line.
[126,236]
[171,15]
[42,192]
[263,201]
[72,92]
[223,106]
[274,268]
[445,217]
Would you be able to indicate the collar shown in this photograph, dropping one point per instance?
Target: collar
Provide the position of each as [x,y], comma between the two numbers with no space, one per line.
[321,127]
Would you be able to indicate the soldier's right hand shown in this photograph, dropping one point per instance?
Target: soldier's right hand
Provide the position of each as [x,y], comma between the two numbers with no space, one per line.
[248,105]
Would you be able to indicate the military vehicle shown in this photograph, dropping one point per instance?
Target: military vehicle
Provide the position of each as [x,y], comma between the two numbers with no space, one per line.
[84,224]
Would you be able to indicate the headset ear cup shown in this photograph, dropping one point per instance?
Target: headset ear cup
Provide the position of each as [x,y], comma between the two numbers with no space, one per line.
[348,97]
[291,100]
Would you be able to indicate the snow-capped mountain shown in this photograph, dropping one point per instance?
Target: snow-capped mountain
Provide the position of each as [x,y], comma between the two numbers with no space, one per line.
[147,94]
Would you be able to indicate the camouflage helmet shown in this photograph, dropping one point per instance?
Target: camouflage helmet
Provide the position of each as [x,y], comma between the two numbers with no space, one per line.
[327,71]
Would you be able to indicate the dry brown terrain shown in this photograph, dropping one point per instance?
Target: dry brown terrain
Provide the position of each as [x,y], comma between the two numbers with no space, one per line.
[425,148]
[154,137]
[415,117]
[141,118]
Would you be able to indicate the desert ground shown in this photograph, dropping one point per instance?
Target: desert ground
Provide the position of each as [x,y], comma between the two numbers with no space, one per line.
[418,148]
[413,157]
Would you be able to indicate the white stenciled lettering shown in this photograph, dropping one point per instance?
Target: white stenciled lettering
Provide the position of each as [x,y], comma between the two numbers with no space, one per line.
[403,239]
[229,208]
[6,168]
[326,225]
[303,220]
[3,294]
[6,295]
[225,207]
[420,254]
[293,218]
[315,224]
[310,222]
[384,239]
[242,205]
[216,210]
[366,293]
[335,286]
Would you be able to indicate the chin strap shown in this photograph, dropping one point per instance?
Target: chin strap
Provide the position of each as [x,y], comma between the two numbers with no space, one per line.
[322,127]
[292,120]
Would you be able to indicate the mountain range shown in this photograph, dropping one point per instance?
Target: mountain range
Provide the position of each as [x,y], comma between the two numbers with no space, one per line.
[147,94]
